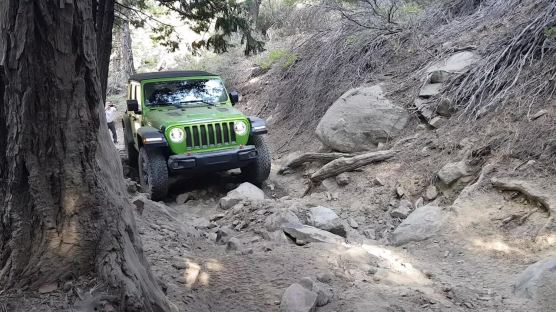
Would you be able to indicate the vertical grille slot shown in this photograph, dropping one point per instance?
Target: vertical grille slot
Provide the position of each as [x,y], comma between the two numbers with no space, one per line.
[188,138]
[212,139]
[218,134]
[196,141]
[232,133]
[204,138]
[226,132]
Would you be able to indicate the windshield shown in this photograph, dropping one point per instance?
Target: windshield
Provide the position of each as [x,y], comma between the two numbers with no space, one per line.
[185,92]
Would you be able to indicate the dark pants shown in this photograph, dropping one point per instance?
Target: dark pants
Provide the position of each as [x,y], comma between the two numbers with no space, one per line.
[112,127]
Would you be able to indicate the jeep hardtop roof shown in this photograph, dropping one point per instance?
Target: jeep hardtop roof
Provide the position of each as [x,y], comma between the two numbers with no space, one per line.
[169,74]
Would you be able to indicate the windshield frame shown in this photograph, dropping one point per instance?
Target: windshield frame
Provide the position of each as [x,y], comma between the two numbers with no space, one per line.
[158,80]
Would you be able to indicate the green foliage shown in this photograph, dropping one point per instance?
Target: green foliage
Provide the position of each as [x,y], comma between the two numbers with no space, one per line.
[227,16]
[284,57]
[411,8]
[550,32]
[163,35]
[351,40]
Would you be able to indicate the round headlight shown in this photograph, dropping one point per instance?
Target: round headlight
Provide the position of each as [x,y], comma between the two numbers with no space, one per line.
[177,135]
[240,127]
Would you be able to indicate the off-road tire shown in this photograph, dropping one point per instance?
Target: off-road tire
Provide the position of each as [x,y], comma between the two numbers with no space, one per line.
[258,171]
[132,154]
[130,150]
[153,173]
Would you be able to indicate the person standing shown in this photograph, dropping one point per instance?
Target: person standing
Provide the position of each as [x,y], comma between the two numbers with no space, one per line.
[111,113]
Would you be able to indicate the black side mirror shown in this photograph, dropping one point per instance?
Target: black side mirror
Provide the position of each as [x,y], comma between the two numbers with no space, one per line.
[132,106]
[234,97]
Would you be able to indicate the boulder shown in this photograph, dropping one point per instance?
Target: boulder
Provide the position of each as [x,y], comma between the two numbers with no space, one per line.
[437,122]
[343,179]
[309,234]
[456,63]
[538,282]
[360,119]
[353,223]
[431,192]
[297,298]
[326,219]
[421,224]
[275,221]
[452,172]
[430,89]
[224,234]
[424,108]
[323,293]
[403,210]
[234,244]
[183,198]
[245,191]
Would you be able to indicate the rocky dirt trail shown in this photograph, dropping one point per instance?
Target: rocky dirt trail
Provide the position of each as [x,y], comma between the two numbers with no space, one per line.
[355,243]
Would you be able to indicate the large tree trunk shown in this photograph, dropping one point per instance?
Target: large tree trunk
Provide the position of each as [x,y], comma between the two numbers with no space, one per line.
[127,52]
[103,17]
[63,205]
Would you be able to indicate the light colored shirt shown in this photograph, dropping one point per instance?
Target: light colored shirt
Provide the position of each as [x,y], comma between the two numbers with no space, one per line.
[111,114]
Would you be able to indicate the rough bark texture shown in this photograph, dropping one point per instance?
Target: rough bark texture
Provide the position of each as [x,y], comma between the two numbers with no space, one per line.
[63,204]
[344,164]
[104,21]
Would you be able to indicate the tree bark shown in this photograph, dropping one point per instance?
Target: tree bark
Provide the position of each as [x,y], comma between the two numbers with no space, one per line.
[312,157]
[63,204]
[344,164]
[104,22]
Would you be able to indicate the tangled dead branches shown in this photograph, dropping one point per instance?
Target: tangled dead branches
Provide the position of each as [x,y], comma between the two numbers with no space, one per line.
[513,69]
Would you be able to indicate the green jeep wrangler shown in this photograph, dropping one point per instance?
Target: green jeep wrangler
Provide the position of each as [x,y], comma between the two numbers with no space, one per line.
[184,123]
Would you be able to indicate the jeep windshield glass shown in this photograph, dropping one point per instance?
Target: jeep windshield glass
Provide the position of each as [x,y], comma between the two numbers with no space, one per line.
[185,92]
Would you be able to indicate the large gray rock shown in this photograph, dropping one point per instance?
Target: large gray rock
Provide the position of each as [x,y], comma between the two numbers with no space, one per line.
[456,63]
[421,224]
[403,210]
[297,298]
[275,221]
[309,234]
[538,282]
[245,191]
[360,119]
[452,172]
[325,219]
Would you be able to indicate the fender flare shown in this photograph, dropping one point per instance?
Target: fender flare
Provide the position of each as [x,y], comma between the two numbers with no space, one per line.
[151,137]
[258,125]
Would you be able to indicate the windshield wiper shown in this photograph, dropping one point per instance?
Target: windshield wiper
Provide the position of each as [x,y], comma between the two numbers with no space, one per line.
[198,101]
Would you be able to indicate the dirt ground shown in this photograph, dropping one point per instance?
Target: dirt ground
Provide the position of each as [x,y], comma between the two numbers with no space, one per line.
[470,265]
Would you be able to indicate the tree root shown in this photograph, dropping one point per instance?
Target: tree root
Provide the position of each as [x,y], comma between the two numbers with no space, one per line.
[503,74]
[344,164]
[535,193]
[311,157]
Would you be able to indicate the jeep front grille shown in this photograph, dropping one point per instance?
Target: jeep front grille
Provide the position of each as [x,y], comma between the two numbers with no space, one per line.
[209,135]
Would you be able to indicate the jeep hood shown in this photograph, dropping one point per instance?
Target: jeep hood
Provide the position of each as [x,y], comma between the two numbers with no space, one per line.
[167,117]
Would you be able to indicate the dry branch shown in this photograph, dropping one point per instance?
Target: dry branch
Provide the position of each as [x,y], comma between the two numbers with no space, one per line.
[534,192]
[312,157]
[344,164]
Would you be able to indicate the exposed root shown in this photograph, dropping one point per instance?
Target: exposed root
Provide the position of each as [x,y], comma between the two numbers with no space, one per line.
[502,74]
[546,198]
[344,164]
[311,157]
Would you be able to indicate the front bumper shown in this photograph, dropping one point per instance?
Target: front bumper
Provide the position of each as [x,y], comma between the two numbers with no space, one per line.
[213,161]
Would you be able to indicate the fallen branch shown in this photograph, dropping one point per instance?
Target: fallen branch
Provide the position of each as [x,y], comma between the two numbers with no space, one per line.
[546,198]
[312,157]
[344,164]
